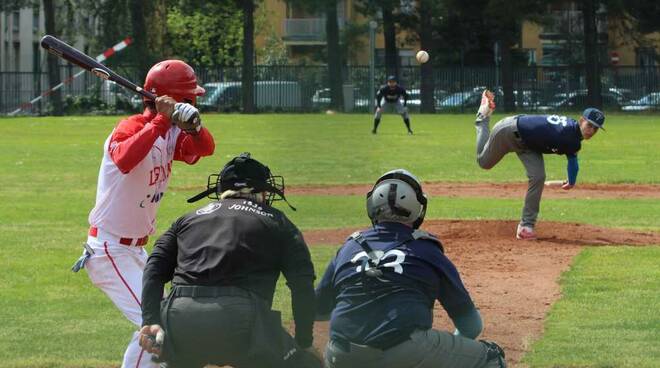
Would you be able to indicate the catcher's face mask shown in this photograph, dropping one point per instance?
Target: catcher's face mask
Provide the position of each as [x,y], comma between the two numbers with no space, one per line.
[244,172]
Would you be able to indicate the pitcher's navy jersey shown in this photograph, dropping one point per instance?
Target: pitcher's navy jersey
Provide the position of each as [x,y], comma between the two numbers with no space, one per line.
[550,134]
[384,312]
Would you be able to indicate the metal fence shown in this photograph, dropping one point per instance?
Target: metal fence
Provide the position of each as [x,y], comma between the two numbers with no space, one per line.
[289,88]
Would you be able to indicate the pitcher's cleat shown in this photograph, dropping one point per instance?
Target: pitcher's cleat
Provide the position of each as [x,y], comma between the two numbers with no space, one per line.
[487,105]
[525,233]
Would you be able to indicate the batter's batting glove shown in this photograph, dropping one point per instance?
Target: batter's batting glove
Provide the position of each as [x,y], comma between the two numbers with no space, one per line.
[186,117]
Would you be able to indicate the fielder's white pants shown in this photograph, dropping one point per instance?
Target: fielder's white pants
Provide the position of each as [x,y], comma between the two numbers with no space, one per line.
[117,270]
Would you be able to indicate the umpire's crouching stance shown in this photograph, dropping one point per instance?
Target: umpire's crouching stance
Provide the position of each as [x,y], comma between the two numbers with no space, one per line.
[381,287]
[224,260]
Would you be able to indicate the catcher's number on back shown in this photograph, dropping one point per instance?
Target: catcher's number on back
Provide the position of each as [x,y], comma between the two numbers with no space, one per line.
[395,264]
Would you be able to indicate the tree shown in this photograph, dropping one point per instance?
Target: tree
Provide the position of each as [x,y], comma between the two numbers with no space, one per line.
[425,33]
[388,9]
[591,60]
[333,49]
[247,71]
[333,54]
[53,64]
[206,33]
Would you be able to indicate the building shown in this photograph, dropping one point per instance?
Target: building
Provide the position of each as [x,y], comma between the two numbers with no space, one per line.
[561,42]
[20,32]
[302,33]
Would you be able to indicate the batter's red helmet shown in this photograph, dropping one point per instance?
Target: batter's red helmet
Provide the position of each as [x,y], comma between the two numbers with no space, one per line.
[175,79]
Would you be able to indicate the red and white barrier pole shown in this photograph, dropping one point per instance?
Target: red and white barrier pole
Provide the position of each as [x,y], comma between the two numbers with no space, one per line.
[100,58]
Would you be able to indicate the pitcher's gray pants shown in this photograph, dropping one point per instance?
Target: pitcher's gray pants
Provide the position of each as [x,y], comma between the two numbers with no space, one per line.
[425,349]
[491,148]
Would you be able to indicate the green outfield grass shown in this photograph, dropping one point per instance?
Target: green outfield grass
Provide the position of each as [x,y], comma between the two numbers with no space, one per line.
[48,168]
[608,316]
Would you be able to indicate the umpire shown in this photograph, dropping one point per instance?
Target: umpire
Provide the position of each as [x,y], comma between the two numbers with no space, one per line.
[224,260]
[381,287]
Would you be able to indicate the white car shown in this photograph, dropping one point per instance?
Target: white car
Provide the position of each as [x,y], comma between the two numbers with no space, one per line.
[648,102]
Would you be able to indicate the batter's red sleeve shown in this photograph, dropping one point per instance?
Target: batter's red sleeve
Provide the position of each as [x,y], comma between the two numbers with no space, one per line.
[190,148]
[133,138]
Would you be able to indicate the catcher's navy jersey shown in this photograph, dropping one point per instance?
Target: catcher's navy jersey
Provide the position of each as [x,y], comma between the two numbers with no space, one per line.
[550,134]
[384,311]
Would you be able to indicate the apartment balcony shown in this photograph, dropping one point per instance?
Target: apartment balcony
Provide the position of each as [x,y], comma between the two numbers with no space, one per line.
[305,31]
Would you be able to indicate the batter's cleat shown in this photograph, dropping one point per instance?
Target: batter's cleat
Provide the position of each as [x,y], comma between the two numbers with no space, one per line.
[373,131]
[525,233]
[487,105]
[410,132]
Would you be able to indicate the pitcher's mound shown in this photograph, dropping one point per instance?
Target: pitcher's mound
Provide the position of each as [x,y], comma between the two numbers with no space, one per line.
[512,282]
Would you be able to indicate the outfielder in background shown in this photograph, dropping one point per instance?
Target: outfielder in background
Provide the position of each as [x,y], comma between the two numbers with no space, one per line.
[531,136]
[135,171]
[390,97]
[381,287]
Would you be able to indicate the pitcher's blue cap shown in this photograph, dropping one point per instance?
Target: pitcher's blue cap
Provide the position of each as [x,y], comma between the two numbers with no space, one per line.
[595,117]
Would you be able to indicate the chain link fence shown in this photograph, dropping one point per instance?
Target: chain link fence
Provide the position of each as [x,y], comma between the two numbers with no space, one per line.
[292,88]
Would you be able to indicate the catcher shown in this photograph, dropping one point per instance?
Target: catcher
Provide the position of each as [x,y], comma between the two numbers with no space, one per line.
[380,289]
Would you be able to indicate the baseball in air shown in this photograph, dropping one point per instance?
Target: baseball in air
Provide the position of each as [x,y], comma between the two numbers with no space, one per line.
[422,56]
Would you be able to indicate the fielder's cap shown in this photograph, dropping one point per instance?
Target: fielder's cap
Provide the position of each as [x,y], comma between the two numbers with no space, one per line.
[391,78]
[595,117]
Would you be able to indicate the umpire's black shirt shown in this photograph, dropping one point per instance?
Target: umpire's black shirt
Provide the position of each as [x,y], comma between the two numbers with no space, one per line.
[233,242]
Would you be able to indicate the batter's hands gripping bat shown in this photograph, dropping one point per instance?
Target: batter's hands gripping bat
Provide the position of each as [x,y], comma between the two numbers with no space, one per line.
[69,53]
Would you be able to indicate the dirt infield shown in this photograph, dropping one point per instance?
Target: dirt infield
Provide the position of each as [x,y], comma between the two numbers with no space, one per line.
[513,282]
[496,190]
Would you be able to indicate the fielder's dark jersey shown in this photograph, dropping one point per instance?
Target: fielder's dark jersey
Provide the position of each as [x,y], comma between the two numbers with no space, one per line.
[392,95]
[233,242]
[550,134]
[384,313]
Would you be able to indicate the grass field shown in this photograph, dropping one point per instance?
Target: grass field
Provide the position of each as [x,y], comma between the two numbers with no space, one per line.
[48,168]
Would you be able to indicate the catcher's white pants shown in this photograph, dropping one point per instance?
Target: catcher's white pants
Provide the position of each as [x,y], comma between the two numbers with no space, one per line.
[117,269]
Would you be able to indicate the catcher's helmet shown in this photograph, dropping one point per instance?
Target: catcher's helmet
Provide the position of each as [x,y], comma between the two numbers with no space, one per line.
[397,196]
[240,173]
[175,79]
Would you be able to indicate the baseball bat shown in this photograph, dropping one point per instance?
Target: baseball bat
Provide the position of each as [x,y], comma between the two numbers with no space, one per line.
[69,53]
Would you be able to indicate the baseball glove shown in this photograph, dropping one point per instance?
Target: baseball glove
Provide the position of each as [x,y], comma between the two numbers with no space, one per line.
[186,117]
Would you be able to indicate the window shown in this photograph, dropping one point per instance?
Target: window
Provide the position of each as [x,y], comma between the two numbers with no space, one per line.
[35,19]
[16,21]
[36,57]
[646,57]
[17,56]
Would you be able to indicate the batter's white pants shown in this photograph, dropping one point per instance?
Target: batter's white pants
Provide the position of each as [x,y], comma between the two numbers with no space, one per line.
[117,269]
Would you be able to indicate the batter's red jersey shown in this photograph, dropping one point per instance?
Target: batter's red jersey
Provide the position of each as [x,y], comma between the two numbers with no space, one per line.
[136,168]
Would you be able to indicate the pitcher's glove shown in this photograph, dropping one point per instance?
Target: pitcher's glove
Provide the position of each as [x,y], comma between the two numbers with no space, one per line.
[186,117]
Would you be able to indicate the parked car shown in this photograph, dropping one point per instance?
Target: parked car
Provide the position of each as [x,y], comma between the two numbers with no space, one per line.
[220,96]
[578,100]
[116,95]
[648,102]
[269,95]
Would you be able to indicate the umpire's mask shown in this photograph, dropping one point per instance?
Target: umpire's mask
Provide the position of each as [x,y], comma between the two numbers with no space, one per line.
[397,196]
[244,172]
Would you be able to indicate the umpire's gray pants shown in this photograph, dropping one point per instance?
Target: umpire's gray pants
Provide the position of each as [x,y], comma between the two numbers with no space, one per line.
[397,106]
[492,146]
[425,349]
